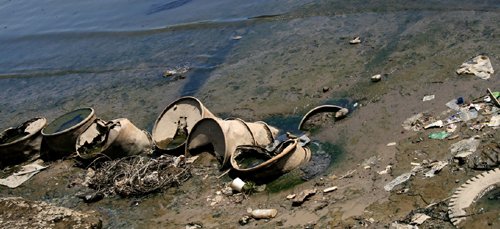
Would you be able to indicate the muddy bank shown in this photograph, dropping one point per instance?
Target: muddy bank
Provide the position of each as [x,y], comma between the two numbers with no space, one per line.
[278,70]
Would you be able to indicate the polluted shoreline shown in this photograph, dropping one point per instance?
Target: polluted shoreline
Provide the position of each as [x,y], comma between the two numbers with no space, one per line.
[418,146]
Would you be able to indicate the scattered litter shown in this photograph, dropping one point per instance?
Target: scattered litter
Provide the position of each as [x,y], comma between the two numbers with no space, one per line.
[451,128]
[494,121]
[419,218]
[194,226]
[237,184]
[264,213]
[386,170]
[391,144]
[494,97]
[138,175]
[367,167]
[465,147]
[439,135]
[428,98]
[396,225]
[291,196]
[479,66]
[435,124]
[244,220]
[415,164]
[348,174]
[436,167]
[330,189]
[355,40]
[453,104]
[467,114]
[416,122]
[376,78]
[341,113]
[302,196]
[398,180]
[26,172]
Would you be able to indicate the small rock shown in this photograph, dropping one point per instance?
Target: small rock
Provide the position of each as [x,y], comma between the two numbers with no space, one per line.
[244,220]
[376,78]
[302,196]
[326,89]
[291,196]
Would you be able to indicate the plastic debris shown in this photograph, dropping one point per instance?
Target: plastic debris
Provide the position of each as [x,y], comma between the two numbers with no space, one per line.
[391,144]
[465,147]
[419,218]
[453,104]
[494,121]
[386,170]
[451,128]
[355,40]
[439,135]
[416,122]
[27,171]
[264,213]
[428,98]
[237,184]
[479,66]
[398,180]
[330,189]
[494,96]
[436,167]
[434,124]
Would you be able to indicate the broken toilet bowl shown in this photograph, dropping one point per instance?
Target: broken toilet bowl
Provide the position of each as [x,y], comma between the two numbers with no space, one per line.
[176,121]
[223,136]
[114,139]
[258,164]
[19,144]
[59,136]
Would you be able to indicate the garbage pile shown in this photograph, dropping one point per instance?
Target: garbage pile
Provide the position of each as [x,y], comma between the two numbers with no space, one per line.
[125,158]
[472,125]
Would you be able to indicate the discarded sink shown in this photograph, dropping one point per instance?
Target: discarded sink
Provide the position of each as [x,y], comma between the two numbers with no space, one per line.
[114,139]
[59,136]
[259,164]
[174,124]
[223,136]
[19,144]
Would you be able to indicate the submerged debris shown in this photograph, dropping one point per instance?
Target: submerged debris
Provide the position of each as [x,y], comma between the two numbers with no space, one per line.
[137,175]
